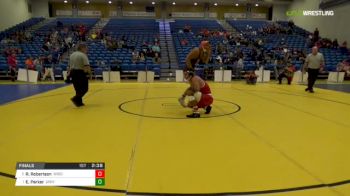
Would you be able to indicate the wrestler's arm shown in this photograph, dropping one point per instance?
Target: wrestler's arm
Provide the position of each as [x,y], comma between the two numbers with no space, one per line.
[188,92]
[194,87]
[192,55]
[206,61]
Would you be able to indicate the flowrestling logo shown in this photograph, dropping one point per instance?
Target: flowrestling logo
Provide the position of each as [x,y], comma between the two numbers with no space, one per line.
[310,13]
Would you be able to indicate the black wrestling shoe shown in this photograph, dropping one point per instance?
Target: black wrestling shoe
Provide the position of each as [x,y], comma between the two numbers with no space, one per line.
[306,89]
[208,109]
[194,115]
[311,91]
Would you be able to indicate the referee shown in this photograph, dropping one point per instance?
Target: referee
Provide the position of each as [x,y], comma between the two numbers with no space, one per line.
[313,63]
[79,68]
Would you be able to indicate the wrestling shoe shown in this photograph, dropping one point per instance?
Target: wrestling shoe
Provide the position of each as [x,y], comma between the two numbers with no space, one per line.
[208,109]
[194,115]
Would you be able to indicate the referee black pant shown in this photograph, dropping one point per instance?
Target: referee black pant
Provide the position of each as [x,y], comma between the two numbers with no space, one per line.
[312,76]
[80,83]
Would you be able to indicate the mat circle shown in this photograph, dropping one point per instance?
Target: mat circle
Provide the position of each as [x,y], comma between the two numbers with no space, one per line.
[171,104]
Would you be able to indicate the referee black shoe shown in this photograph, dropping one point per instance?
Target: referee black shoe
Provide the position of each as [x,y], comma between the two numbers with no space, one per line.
[77,104]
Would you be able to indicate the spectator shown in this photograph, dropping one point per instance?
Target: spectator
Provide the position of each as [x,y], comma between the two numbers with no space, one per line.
[142,57]
[239,67]
[187,29]
[335,43]
[59,24]
[156,48]
[219,60]
[101,63]
[69,41]
[94,35]
[344,48]
[135,56]
[111,45]
[115,64]
[288,73]
[282,42]
[46,46]
[291,24]
[49,68]
[56,55]
[156,58]
[344,44]
[220,48]
[12,62]
[206,33]
[316,35]
[184,42]
[122,43]
[124,38]
[82,32]
[251,77]
[344,66]
[38,67]
[309,42]
[149,53]
[29,63]
[28,36]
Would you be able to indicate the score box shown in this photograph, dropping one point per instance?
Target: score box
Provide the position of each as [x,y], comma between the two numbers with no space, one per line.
[99,173]
[100,182]
[100,177]
[60,174]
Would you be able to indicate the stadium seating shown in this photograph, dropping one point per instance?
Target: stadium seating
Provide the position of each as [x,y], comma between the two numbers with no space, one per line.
[192,38]
[297,30]
[20,27]
[297,40]
[27,48]
[33,48]
[136,32]
[248,25]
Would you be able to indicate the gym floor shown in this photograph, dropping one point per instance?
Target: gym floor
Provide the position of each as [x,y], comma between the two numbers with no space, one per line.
[265,139]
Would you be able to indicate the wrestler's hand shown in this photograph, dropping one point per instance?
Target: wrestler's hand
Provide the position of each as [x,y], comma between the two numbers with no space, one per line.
[182,101]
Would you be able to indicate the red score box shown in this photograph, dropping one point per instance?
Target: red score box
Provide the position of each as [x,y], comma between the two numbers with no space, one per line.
[99,173]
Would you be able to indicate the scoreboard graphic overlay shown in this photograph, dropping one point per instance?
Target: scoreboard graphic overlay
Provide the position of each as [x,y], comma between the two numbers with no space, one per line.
[60,174]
